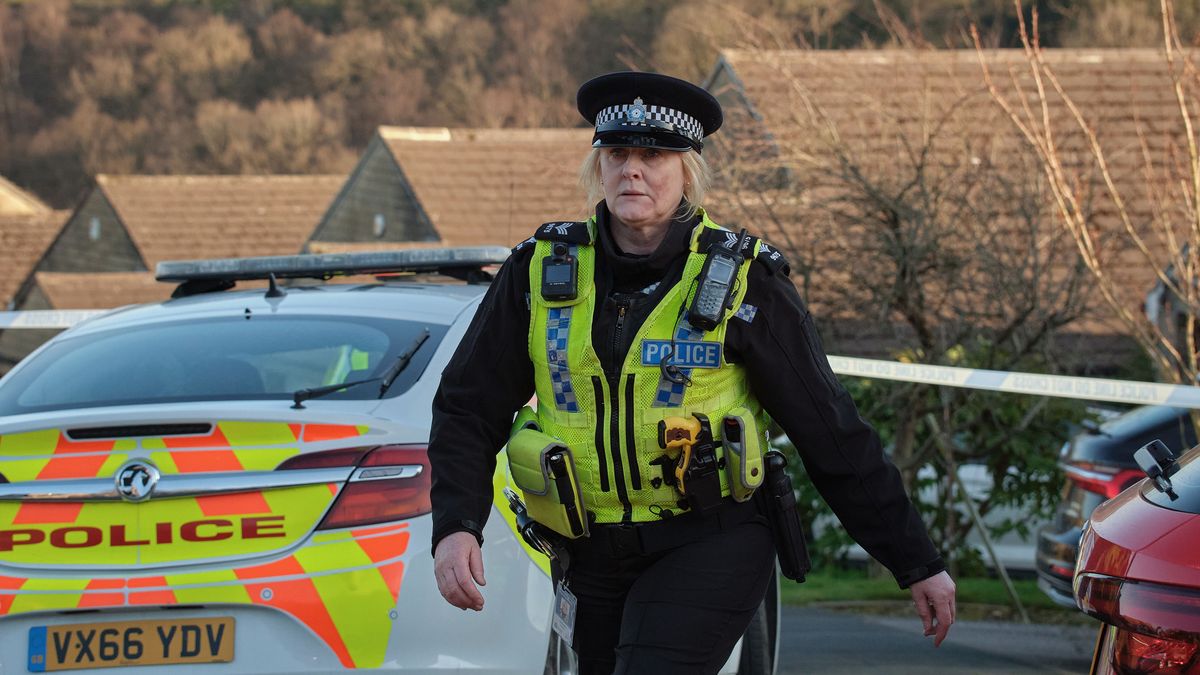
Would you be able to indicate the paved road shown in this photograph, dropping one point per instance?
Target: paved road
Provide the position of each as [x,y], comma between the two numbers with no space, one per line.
[819,641]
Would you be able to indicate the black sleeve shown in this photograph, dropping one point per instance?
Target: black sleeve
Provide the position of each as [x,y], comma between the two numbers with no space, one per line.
[489,377]
[790,375]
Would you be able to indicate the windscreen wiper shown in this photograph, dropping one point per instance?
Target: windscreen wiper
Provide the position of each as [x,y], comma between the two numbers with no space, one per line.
[302,395]
[385,380]
[402,362]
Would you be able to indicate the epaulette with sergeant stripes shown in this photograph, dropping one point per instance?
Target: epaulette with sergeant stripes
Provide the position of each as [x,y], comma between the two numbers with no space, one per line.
[768,255]
[569,231]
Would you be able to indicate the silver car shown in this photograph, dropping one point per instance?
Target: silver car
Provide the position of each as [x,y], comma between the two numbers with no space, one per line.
[237,482]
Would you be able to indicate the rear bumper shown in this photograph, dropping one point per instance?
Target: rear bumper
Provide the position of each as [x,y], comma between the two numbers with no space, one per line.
[264,641]
[340,586]
[360,598]
[1053,587]
[1056,553]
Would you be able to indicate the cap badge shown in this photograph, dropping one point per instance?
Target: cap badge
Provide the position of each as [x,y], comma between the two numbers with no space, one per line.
[637,111]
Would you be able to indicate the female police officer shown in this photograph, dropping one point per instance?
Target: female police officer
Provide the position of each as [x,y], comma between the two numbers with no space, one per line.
[623,325]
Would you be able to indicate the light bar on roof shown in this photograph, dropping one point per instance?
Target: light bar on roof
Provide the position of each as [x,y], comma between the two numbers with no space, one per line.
[325,265]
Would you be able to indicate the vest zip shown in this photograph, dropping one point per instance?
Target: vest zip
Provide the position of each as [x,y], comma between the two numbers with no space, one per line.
[616,343]
[615,440]
[614,381]
[598,387]
[635,471]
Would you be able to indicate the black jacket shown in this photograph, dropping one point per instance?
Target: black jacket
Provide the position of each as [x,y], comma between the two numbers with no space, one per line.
[491,376]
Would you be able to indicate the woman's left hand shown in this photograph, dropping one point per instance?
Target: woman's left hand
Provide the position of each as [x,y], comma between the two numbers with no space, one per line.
[934,598]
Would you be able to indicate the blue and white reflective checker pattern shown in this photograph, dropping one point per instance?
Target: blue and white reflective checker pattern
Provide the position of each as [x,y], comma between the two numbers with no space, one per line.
[746,312]
[670,394]
[685,123]
[683,353]
[558,327]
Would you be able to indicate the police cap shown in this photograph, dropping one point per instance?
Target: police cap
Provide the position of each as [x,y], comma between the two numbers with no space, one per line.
[648,110]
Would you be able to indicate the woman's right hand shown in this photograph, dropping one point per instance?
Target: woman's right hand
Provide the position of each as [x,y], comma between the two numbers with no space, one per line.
[458,566]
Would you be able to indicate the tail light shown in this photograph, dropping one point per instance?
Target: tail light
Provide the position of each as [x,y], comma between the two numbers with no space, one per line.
[1141,606]
[1158,626]
[1137,654]
[1061,570]
[1105,481]
[388,483]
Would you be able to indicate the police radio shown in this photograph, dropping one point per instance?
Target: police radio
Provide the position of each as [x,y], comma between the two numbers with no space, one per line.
[559,272]
[715,286]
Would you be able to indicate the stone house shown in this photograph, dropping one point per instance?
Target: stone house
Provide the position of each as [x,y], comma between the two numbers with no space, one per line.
[105,253]
[455,187]
[818,144]
[132,223]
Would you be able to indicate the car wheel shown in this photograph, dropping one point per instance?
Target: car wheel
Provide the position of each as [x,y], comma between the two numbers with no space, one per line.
[756,645]
[560,658]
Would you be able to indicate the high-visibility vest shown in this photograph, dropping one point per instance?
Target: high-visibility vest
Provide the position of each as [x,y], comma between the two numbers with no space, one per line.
[611,426]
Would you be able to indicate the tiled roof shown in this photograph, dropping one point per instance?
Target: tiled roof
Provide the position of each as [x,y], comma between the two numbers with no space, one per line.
[491,186]
[100,290]
[185,217]
[880,105]
[23,241]
[872,95]
[17,202]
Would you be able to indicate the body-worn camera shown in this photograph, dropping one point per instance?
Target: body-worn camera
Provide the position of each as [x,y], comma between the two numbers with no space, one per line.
[559,272]
[714,287]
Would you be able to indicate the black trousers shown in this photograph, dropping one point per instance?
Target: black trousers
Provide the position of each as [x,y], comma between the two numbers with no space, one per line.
[673,598]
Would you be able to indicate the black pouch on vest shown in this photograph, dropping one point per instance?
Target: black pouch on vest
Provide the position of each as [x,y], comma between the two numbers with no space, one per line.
[779,505]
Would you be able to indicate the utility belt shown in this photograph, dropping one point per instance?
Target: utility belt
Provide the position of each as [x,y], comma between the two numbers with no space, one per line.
[627,540]
[690,464]
[543,468]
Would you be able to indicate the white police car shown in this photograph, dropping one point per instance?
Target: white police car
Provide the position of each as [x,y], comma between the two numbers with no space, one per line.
[237,482]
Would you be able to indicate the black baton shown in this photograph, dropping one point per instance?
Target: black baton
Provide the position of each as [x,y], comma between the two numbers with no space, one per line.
[779,504]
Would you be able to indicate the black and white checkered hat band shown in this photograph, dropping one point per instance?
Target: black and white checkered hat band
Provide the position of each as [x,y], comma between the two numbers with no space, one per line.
[686,124]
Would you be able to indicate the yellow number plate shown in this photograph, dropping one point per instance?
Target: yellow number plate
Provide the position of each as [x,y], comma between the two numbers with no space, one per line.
[130,643]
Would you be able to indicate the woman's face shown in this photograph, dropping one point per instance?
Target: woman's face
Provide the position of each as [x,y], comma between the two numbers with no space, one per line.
[642,186]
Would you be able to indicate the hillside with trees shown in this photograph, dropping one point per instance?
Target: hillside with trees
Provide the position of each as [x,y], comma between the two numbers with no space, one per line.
[261,86]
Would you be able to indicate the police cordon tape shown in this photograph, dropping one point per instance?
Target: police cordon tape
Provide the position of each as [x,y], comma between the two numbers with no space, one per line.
[1086,388]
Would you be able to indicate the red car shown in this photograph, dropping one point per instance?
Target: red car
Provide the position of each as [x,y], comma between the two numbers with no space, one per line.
[1138,570]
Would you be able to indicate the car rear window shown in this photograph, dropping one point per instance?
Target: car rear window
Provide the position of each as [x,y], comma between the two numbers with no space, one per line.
[263,357]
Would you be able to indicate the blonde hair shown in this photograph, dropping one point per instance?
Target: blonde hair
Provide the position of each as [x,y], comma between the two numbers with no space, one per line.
[697,177]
